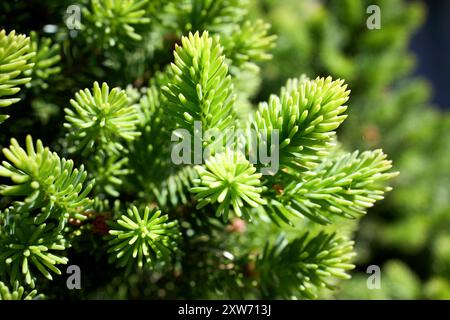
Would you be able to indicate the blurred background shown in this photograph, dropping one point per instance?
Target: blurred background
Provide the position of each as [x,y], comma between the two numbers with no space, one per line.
[399,76]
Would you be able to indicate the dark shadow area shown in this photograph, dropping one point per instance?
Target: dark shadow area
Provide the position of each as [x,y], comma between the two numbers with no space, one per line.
[432,47]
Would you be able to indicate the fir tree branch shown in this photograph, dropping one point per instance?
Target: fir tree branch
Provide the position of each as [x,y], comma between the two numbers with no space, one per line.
[44,181]
[101,118]
[46,61]
[345,186]
[15,60]
[142,239]
[17,293]
[213,15]
[27,248]
[300,267]
[114,22]
[229,179]
[305,115]
[200,88]
[248,43]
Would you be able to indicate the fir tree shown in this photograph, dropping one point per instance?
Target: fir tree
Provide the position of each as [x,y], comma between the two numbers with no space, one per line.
[388,108]
[105,194]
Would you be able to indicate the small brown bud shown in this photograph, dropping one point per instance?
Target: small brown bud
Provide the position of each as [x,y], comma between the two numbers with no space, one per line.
[237,225]
[371,134]
[278,188]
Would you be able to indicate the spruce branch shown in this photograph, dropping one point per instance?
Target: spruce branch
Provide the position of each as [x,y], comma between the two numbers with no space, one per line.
[27,248]
[110,173]
[101,118]
[114,22]
[15,60]
[200,88]
[248,43]
[302,266]
[45,61]
[173,190]
[230,180]
[17,293]
[245,42]
[150,156]
[142,239]
[123,139]
[344,186]
[305,115]
[213,15]
[43,180]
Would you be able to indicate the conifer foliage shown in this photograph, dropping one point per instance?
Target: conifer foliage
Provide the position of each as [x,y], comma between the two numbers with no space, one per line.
[390,109]
[111,194]
[15,56]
